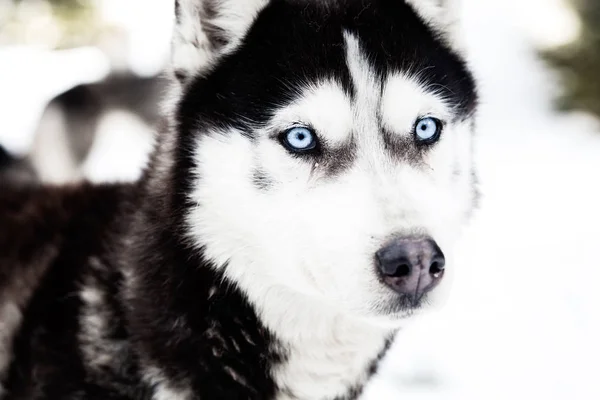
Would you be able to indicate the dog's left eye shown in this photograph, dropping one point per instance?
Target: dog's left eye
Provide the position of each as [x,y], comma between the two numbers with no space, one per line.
[299,139]
[428,130]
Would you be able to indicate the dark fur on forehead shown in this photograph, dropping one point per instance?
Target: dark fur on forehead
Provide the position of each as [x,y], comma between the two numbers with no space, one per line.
[397,40]
[294,42]
[287,46]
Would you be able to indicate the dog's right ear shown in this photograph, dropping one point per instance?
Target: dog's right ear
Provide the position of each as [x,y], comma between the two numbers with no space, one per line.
[206,29]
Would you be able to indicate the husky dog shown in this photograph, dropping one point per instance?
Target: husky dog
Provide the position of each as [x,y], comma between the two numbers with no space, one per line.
[314,171]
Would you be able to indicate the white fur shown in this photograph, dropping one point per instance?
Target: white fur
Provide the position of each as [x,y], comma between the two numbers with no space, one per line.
[163,392]
[163,389]
[324,107]
[443,17]
[302,251]
[236,16]
[192,51]
[325,367]
[98,347]
[94,327]
[191,47]
[407,94]
[434,10]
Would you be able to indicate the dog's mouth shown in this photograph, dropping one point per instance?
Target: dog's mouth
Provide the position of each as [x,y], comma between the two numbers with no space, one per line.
[407,303]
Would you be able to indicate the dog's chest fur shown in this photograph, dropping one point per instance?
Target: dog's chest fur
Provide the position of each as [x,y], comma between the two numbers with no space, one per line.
[333,367]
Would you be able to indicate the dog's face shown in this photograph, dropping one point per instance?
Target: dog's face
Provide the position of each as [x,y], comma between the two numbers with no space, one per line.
[326,148]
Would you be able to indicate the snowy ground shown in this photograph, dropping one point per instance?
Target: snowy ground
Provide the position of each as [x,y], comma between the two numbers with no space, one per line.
[522,321]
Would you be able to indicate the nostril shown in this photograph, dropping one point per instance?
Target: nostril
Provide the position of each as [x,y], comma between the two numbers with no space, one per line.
[401,271]
[394,268]
[437,267]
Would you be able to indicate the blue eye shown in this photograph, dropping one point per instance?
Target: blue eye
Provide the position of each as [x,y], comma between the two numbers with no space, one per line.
[299,139]
[428,130]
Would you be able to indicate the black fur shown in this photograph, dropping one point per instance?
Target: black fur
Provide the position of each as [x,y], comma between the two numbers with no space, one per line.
[47,240]
[15,170]
[5,158]
[54,241]
[166,307]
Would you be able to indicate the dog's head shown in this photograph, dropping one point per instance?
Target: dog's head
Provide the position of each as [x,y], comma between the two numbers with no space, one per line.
[325,147]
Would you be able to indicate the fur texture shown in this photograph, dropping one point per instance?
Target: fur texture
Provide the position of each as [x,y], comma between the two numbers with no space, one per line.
[236,268]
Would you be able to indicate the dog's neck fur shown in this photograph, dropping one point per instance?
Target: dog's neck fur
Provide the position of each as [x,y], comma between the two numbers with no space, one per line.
[220,339]
[328,354]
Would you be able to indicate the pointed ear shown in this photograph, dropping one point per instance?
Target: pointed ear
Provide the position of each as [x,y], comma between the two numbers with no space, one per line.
[206,29]
[443,16]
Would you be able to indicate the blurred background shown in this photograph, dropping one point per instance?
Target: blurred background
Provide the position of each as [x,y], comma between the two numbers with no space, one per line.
[80,92]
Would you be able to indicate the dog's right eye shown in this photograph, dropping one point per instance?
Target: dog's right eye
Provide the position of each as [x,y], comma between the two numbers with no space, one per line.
[299,139]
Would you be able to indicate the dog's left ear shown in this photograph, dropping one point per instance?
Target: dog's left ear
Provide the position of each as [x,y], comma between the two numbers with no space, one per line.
[206,29]
[443,16]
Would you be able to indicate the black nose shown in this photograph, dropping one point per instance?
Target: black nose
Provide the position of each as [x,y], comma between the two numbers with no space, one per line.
[411,266]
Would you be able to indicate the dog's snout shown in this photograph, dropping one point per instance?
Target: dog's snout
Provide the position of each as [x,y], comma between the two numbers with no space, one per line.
[411,266]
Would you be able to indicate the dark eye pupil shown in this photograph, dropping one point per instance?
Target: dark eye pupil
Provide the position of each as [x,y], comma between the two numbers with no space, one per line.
[301,136]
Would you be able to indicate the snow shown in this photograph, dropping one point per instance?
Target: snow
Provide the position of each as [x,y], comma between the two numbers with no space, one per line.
[522,321]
